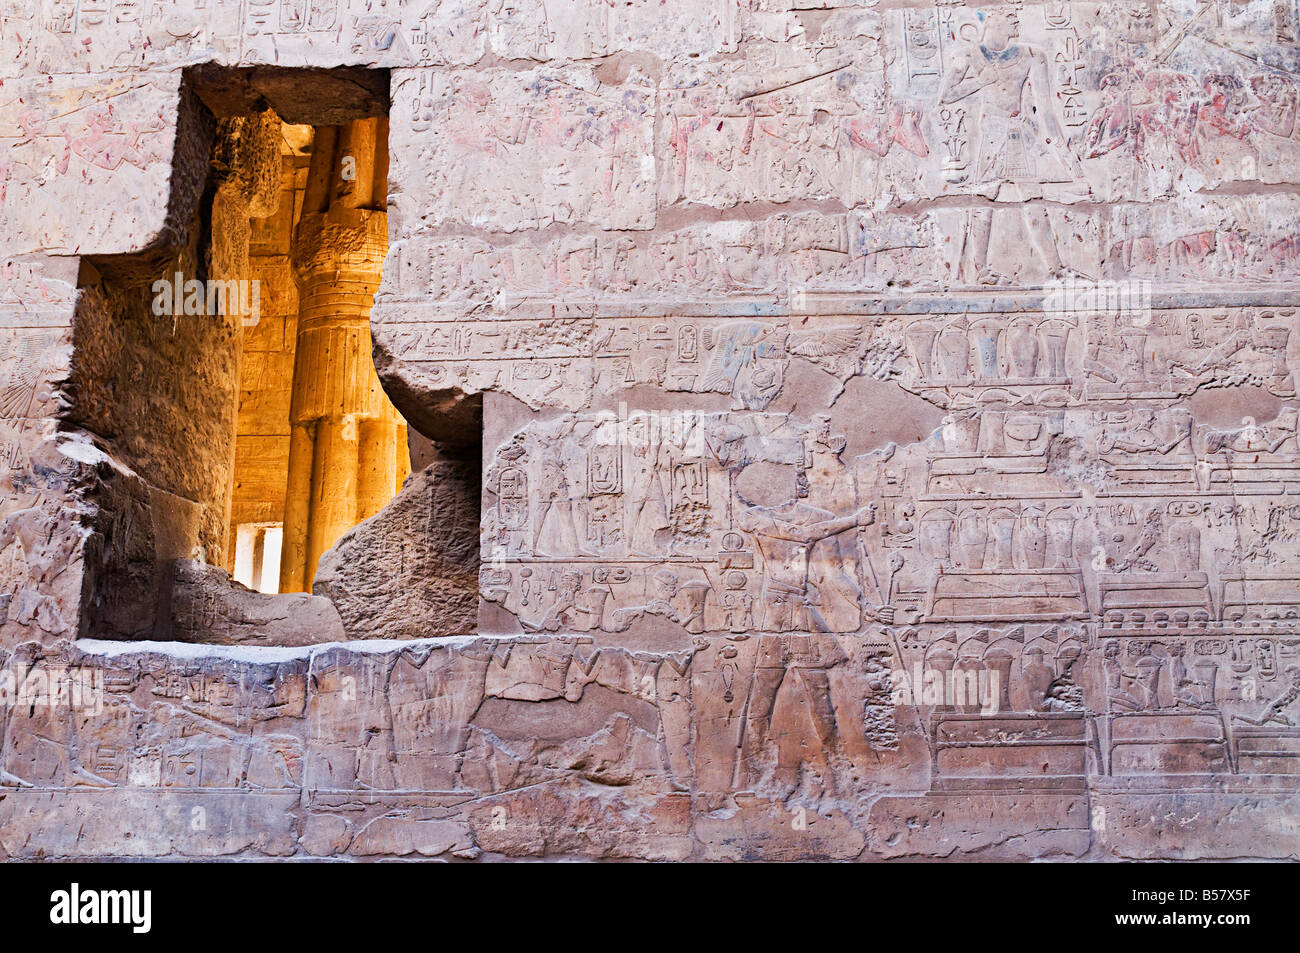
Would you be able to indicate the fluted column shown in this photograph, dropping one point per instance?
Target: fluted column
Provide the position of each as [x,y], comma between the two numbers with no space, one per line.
[344,452]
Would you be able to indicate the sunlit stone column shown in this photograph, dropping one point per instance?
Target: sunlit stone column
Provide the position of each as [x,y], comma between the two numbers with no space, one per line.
[344,452]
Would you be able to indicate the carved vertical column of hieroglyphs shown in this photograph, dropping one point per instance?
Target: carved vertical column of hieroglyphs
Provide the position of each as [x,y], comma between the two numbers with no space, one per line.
[347,450]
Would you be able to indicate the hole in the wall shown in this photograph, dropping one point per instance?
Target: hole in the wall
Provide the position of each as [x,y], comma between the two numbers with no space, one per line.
[257,555]
[226,370]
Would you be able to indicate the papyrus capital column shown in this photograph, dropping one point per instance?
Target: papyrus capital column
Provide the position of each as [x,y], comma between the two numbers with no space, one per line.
[345,458]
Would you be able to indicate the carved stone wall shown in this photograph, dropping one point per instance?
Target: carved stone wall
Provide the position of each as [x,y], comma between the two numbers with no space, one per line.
[886,414]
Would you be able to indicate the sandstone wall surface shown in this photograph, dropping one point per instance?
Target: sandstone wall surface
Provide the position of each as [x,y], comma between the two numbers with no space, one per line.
[888,438]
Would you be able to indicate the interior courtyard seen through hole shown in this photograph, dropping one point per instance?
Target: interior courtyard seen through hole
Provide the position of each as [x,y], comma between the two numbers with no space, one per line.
[714,430]
[318,446]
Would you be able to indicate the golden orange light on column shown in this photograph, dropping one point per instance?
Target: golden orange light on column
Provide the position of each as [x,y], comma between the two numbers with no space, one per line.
[347,449]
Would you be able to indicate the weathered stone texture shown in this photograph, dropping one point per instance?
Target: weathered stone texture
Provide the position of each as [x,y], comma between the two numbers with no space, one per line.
[112,135]
[207,607]
[864,432]
[412,568]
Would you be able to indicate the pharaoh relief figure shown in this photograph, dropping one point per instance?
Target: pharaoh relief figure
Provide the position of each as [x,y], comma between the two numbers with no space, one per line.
[809,591]
[804,582]
[1022,155]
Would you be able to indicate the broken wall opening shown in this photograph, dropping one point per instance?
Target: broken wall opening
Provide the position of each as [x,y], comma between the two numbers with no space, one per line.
[226,371]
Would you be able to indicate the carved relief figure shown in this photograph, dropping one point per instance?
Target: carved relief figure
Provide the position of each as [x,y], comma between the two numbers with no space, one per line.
[1021,146]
